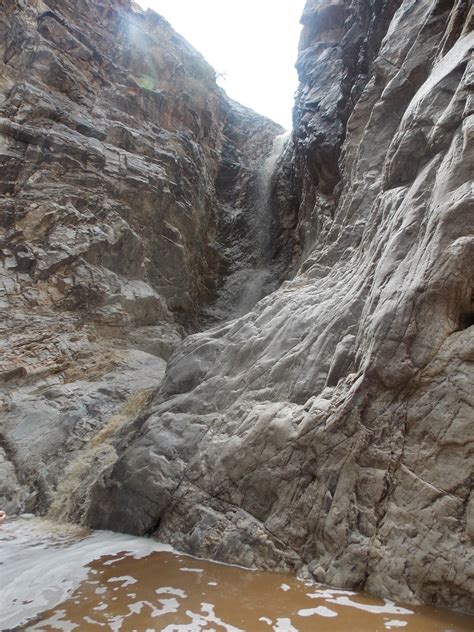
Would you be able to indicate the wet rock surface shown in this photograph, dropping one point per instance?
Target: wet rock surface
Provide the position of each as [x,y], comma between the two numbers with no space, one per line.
[332,425]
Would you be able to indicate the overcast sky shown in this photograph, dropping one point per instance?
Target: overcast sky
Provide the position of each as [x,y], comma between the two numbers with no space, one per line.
[252,42]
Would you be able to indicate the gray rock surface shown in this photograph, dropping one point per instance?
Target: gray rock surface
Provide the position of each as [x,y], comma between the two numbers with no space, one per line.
[332,426]
[336,419]
[113,140]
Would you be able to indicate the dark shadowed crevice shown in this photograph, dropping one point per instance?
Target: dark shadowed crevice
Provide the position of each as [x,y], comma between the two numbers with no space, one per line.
[466,321]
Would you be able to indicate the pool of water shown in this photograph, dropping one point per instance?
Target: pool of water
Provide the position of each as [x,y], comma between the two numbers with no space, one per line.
[62,578]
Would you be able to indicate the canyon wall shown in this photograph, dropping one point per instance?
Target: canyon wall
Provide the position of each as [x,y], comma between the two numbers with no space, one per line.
[333,424]
[330,427]
[114,139]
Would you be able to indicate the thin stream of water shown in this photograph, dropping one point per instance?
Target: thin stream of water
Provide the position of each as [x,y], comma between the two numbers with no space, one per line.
[256,279]
[263,211]
[63,578]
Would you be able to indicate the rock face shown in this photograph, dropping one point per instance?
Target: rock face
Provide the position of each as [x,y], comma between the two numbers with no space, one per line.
[113,140]
[332,426]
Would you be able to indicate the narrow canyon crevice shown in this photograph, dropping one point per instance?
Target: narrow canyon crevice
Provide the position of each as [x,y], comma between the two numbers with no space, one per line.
[255,347]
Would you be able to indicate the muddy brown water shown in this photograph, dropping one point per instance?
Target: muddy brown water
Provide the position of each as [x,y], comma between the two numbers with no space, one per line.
[62,579]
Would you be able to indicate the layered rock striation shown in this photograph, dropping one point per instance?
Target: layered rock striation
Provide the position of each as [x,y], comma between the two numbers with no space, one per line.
[332,425]
[113,140]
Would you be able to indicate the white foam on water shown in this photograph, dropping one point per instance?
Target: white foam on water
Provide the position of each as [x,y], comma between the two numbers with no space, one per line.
[329,593]
[116,623]
[55,622]
[284,625]
[321,611]
[110,562]
[200,621]
[92,621]
[168,606]
[395,623]
[42,564]
[136,608]
[167,590]
[388,606]
[126,580]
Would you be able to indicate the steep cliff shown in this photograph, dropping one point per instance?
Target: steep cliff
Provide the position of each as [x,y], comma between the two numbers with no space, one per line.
[113,140]
[331,426]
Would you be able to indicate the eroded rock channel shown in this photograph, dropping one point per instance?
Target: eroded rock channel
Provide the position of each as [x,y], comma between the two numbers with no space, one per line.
[256,348]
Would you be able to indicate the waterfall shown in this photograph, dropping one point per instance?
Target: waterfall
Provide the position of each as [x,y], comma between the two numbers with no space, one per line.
[263,216]
[256,278]
[247,241]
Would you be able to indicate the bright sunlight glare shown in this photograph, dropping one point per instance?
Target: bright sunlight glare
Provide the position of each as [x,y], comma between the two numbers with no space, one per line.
[252,44]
